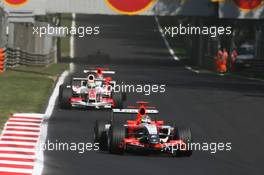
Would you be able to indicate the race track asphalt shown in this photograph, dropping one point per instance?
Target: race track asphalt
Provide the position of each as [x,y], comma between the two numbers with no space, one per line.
[218,109]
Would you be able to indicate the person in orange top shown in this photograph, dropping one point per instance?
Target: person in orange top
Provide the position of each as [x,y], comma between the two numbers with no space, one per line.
[233,59]
[223,67]
[218,58]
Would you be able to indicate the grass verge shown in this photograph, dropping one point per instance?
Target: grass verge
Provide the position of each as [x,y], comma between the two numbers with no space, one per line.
[26,89]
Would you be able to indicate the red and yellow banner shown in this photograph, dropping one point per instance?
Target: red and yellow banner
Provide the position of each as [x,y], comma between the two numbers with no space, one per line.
[130,7]
[248,4]
[15,2]
[242,9]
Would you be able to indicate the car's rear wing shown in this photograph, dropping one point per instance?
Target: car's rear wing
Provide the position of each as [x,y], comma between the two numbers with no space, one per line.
[86,79]
[135,111]
[80,79]
[96,71]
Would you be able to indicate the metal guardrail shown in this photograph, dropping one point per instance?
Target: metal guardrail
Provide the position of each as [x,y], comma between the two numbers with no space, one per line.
[254,66]
[17,57]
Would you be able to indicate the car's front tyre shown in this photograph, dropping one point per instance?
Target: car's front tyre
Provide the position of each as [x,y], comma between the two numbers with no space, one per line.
[116,136]
[118,100]
[184,134]
[65,95]
[100,134]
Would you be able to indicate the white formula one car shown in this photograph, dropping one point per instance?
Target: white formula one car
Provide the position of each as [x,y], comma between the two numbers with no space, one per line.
[94,91]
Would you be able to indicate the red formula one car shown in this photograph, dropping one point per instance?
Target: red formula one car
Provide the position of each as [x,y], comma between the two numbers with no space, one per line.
[142,133]
[94,91]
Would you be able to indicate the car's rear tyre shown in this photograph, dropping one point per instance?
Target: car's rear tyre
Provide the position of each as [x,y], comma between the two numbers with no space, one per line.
[185,135]
[100,135]
[118,100]
[117,133]
[124,96]
[65,95]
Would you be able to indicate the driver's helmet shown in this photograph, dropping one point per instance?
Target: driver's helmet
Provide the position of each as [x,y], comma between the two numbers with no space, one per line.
[91,81]
[145,119]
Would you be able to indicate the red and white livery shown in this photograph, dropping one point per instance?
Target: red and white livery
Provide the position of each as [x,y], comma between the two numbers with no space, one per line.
[141,133]
[95,90]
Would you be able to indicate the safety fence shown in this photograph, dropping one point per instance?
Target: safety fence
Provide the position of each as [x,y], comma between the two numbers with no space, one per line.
[17,57]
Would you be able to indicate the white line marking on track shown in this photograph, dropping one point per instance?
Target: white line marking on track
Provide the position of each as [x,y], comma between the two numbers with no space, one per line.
[165,40]
[29,115]
[17,156]
[16,162]
[72,38]
[16,137]
[16,170]
[38,168]
[23,123]
[173,54]
[25,150]
[53,98]
[18,143]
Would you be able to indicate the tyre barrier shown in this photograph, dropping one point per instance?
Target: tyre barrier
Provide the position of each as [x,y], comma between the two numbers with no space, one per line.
[19,57]
[2,59]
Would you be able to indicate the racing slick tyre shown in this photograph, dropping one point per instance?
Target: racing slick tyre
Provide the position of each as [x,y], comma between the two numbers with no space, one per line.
[65,95]
[118,100]
[100,135]
[185,135]
[124,96]
[116,136]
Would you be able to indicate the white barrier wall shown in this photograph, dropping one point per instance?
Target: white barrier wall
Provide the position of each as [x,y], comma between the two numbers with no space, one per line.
[37,6]
[79,6]
[227,8]
[162,7]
